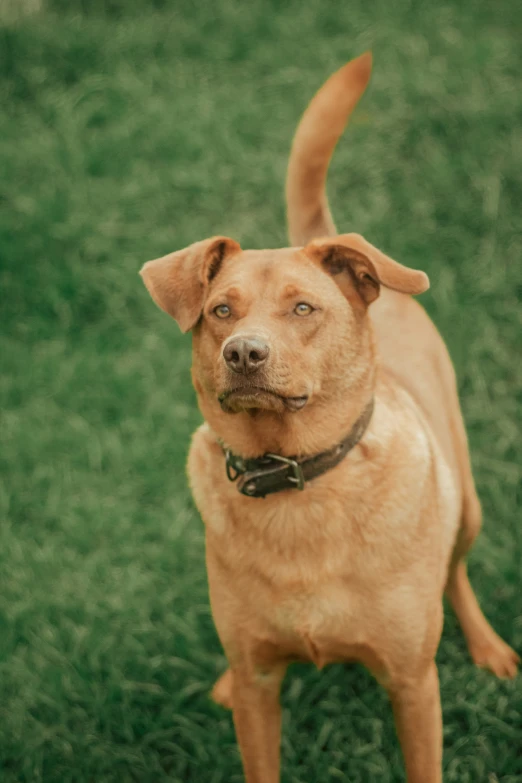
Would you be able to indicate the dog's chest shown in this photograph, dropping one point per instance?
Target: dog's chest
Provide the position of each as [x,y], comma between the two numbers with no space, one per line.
[311,586]
[321,621]
[320,573]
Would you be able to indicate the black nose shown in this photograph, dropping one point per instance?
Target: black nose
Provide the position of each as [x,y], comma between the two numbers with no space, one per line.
[245,355]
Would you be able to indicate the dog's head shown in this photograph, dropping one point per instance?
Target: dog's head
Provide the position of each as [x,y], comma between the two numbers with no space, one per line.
[276,330]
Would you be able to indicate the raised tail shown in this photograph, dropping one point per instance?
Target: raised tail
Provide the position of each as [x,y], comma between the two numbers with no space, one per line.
[317,134]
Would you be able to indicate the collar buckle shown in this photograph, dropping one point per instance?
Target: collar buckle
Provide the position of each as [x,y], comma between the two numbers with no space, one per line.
[298,478]
[235,466]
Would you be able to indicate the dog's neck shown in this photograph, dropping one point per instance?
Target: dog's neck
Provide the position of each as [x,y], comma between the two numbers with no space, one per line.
[323,423]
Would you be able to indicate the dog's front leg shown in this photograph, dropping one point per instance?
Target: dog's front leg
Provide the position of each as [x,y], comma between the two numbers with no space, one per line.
[416,706]
[257,718]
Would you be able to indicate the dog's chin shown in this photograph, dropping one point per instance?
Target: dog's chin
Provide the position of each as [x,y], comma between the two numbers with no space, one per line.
[258,399]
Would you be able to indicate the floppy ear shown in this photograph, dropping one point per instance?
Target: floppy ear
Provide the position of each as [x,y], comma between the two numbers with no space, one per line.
[177,282]
[369,268]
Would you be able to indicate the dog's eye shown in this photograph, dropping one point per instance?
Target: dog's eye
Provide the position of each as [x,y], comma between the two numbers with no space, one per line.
[303,309]
[222,311]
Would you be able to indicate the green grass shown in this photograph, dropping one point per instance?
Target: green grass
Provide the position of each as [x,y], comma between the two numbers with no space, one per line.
[130,129]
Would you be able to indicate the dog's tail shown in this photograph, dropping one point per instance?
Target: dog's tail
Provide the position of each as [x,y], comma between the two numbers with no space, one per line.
[317,134]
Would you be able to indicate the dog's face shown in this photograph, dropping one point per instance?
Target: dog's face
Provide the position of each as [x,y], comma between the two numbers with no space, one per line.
[276,330]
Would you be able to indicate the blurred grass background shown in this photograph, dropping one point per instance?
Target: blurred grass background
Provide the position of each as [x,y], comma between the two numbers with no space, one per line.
[132,128]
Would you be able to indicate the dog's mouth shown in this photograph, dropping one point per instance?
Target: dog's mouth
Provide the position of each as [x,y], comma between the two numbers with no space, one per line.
[261,398]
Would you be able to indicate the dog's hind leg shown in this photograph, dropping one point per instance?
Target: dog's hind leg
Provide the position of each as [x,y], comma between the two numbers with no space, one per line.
[222,690]
[486,647]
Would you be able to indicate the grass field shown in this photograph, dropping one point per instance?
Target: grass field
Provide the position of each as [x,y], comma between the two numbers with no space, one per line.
[130,129]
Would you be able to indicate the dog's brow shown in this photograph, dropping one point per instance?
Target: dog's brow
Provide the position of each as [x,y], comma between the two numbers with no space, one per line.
[290,291]
[233,293]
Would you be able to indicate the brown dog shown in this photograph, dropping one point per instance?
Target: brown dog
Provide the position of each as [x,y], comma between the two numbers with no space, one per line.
[318,354]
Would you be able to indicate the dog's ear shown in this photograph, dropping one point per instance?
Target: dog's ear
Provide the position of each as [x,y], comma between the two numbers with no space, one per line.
[367,266]
[177,282]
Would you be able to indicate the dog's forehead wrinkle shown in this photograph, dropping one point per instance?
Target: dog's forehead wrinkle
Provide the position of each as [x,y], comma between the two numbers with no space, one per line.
[255,275]
[245,272]
[265,282]
[262,266]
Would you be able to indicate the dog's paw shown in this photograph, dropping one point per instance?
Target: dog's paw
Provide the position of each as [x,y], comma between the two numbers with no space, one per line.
[495,655]
[222,690]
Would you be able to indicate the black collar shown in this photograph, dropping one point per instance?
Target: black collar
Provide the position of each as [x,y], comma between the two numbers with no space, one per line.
[273,473]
